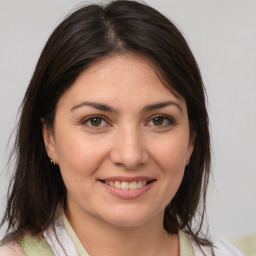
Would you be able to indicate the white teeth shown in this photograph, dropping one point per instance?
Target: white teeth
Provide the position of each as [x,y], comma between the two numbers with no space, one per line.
[133,185]
[117,184]
[126,185]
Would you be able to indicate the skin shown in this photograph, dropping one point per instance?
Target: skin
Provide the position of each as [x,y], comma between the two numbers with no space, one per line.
[132,137]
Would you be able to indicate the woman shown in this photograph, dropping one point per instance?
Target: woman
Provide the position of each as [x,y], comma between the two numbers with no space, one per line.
[113,148]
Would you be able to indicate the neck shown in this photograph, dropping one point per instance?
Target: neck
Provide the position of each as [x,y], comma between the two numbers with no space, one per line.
[102,238]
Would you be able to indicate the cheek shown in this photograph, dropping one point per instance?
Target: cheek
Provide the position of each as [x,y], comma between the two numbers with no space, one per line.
[171,158]
[78,164]
[78,157]
[171,155]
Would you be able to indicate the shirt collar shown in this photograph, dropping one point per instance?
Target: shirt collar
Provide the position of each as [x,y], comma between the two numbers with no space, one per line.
[186,248]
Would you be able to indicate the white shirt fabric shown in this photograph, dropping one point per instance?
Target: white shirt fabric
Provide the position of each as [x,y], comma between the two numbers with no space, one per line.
[187,247]
[64,242]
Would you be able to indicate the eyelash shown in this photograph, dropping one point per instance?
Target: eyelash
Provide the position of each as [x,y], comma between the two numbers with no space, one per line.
[170,121]
[166,121]
[90,118]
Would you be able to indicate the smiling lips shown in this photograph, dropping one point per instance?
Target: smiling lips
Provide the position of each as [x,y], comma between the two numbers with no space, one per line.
[126,185]
[128,188]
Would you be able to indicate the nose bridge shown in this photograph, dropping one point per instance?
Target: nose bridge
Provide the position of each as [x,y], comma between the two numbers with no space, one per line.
[129,149]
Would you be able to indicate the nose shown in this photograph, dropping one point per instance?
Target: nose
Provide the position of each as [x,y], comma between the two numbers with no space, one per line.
[129,149]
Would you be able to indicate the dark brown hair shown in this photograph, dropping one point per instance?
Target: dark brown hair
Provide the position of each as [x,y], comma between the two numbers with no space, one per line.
[86,36]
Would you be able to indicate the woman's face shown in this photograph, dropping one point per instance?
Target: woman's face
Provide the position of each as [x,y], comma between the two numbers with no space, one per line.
[122,141]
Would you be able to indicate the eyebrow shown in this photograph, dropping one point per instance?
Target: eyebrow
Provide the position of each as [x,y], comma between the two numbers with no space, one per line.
[94,105]
[162,105]
[107,108]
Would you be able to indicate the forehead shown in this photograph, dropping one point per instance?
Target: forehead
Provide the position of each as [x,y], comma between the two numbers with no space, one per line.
[120,79]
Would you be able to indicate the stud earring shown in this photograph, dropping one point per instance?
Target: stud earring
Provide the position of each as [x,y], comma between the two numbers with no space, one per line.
[52,162]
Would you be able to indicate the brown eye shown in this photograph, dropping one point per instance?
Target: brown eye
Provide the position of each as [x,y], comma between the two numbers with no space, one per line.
[161,121]
[158,120]
[96,121]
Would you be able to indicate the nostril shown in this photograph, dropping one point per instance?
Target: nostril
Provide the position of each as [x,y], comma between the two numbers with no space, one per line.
[128,153]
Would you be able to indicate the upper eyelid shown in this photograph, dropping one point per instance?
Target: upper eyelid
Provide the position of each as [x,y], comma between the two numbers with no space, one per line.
[93,116]
[88,118]
[161,115]
[171,121]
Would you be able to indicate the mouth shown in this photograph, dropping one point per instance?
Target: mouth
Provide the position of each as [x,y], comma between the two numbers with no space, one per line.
[126,185]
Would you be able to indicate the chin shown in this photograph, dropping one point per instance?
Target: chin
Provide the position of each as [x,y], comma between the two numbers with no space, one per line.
[128,218]
[127,222]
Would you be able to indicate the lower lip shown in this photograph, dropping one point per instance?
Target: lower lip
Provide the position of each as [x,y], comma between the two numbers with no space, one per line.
[128,193]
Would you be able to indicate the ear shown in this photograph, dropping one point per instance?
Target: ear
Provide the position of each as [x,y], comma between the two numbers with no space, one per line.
[190,147]
[49,142]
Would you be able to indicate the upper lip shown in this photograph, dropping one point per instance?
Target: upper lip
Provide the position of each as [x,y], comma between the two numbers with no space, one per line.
[128,179]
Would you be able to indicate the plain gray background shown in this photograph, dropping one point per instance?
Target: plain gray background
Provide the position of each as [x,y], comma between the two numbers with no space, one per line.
[222,36]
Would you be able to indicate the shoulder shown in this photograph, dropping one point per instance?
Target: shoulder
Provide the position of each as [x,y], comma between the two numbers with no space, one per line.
[220,248]
[11,249]
[224,248]
[28,245]
[247,244]
[34,245]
